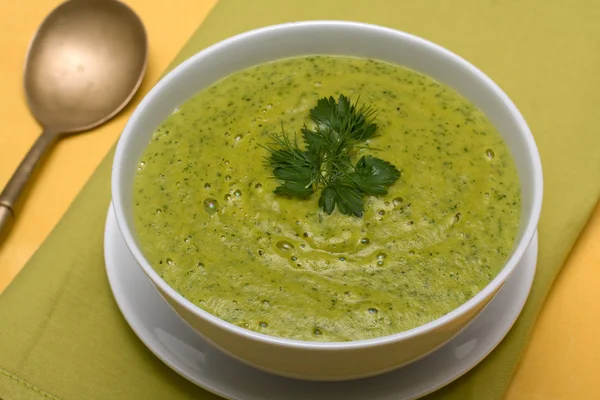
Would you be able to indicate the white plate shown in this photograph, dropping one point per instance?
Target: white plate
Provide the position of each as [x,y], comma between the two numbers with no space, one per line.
[178,346]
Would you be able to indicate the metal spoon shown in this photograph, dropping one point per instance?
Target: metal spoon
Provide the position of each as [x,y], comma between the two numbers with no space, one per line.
[83,66]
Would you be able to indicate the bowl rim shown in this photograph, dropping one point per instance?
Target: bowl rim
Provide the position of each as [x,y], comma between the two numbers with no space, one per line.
[489,290]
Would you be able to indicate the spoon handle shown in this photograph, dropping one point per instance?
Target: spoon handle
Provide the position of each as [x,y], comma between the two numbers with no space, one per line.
[18,182]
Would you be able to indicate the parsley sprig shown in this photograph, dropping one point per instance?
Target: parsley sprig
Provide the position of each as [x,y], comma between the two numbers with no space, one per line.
[325,162]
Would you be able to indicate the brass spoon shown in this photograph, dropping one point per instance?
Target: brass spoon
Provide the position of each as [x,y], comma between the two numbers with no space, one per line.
[84,65]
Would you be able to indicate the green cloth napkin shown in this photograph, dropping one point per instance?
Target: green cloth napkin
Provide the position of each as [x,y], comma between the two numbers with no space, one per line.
[61,334]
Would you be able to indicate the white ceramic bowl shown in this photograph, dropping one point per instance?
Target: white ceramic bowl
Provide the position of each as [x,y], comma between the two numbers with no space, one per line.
[312,360]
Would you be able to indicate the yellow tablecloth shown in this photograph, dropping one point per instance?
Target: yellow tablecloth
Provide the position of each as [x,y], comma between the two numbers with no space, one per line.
[564,355]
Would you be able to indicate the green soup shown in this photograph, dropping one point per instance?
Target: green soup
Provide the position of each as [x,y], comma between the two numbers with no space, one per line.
[211,226]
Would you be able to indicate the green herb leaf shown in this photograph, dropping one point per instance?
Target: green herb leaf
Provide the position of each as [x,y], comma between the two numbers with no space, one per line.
[325,162]
[327,199]
[292,166]
[294,189]
[347,120]
[316,146]
[349,200]
[284,152]
[373,175]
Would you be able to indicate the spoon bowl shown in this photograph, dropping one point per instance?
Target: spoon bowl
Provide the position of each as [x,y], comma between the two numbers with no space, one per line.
[84,64]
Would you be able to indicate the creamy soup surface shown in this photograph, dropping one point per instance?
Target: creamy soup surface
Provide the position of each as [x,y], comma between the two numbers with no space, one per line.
[211,226]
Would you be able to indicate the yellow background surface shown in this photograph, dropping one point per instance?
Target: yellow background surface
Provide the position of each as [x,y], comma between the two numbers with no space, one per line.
[563,358]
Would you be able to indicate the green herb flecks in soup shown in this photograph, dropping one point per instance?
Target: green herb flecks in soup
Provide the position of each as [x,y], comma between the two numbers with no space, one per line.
[211,225]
